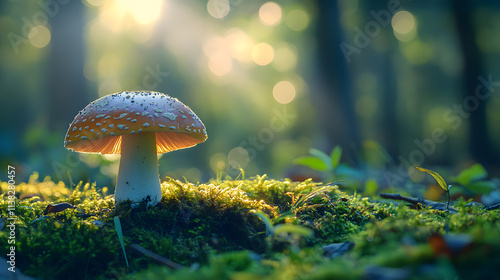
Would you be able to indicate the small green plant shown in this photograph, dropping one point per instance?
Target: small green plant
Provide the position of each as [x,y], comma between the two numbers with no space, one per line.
[318,160]
[274,231]
[441,182]
[472,179]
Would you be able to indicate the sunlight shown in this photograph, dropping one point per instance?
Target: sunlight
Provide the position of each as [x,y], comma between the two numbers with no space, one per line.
[241,44]
[144,12]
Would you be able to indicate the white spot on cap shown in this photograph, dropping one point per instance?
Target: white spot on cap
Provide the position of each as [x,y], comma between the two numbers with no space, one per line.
[183,116]
[120,126]
[111,125]
[161,125]
[84,137]
[74,128]
[158,110]
[145,124]
[145,113]
[134,120]
[100,116]
[169,116]
[107,117]
[172,127]
[140,130]
[112,133]
[121,116]
[87,127]
[92,130]
[76,136]
[84,120]
[103,130]
[97,124]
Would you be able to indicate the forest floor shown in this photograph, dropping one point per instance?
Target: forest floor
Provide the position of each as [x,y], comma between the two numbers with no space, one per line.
[257,228]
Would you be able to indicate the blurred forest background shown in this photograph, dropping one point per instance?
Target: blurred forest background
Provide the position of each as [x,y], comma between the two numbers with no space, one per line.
[394,83]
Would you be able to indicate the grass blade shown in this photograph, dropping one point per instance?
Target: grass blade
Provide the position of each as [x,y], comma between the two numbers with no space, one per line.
[118,228]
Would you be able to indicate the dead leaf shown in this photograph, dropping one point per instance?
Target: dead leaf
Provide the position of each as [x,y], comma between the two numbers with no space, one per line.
[450,245]
[57,208]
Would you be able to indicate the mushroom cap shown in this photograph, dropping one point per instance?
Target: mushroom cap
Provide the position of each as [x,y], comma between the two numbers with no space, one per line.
[99,126]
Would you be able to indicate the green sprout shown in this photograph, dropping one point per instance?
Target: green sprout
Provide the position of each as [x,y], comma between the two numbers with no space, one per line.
[441,182]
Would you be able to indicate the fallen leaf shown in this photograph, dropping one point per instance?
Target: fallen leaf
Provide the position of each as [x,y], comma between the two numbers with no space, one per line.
[57,208]
[450,245]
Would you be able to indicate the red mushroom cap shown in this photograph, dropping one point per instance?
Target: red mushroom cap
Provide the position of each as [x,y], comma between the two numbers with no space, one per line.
[99,126]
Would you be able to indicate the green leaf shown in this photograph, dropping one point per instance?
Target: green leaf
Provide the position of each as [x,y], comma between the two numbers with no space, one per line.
[436,176]
[293,229]
[473,173]
[481,187]
[266,220]
[118,228]
[322,156]
[335,156]
[311,162]
[371,187]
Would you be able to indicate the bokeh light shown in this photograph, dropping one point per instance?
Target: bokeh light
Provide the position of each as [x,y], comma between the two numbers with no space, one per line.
[95,2]
[39,36]
[404,25]
[238,158]
[145,11]
[218,162]
[270,14]
[366,106]
[297,20]
[284,92]
[220,64]
[218,8]
[285,59]
[109,86]
[262,54]
[241,44]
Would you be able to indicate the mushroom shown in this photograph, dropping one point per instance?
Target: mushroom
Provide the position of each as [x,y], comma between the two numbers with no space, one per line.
[138,125]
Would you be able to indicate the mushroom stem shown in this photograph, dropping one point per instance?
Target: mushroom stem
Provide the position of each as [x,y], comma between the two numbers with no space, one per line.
[138,177]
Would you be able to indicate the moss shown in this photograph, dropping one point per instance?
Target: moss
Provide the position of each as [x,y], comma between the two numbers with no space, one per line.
[212,231]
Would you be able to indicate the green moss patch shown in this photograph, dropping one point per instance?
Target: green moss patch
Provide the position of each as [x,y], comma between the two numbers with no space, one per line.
[213,231]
